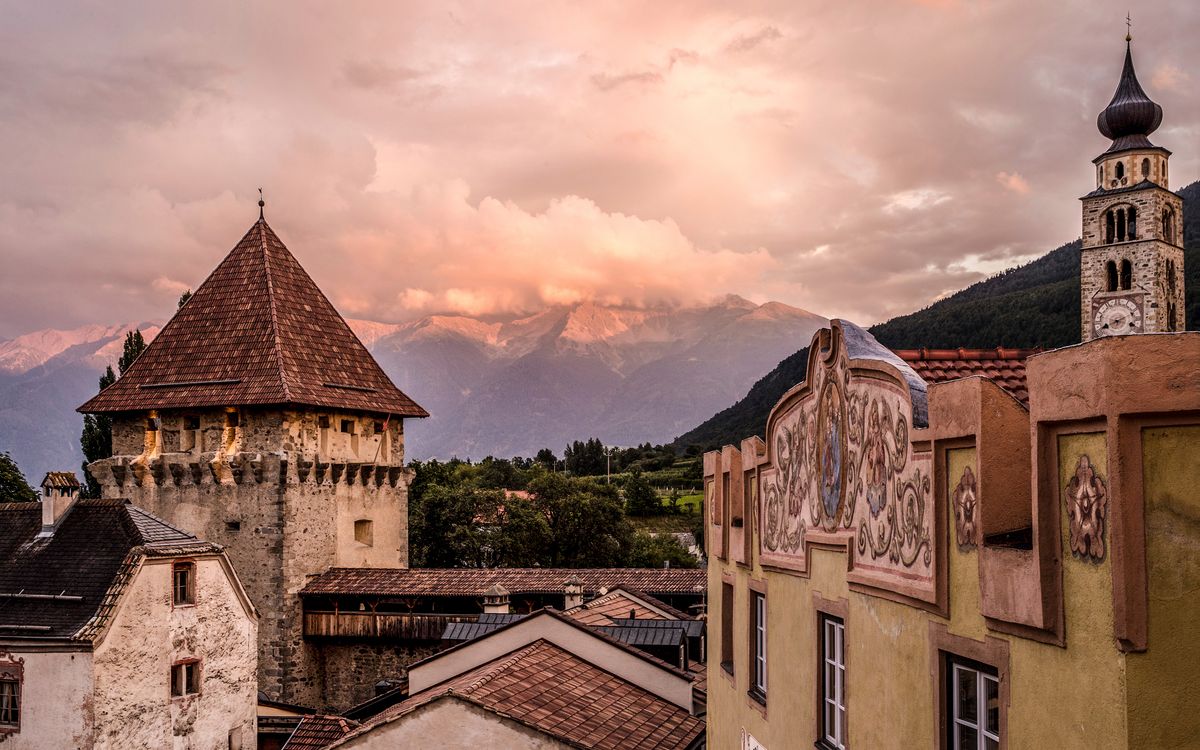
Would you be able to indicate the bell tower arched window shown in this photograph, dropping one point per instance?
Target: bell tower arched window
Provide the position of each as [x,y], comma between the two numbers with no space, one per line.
[1110,226]
[1146,169]
[1120,170]
[1126,274]
[1121,236]
[1131,223]
[1110,269]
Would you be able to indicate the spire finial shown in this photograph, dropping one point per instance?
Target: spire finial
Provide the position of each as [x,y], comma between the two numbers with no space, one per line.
[261,204]
[1128,28]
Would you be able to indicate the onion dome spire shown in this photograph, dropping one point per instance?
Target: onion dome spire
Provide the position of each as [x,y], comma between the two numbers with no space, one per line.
[1131,115]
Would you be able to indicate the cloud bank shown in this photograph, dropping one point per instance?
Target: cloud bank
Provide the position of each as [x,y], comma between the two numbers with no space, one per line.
[855,159]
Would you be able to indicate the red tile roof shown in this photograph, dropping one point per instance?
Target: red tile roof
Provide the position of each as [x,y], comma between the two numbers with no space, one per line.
[474,581]
[1004,366]
[618,604]
[316,732]
[258,331]
[548,688]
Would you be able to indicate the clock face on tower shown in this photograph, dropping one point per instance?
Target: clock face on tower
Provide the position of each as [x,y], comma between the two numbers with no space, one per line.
[1117,316]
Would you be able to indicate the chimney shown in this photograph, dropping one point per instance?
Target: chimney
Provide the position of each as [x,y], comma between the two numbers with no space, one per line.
[572,592]
[60,490]
[495,600]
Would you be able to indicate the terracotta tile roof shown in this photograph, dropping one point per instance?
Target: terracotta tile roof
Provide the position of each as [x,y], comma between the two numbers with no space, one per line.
[66,585]
[258,331]
[316,732]
[555,692]
[1004,366]
[474,581]
[604,609]
[61,479]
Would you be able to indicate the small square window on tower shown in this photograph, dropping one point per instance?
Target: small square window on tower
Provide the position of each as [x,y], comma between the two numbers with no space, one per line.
[183,583]
[323,421]
[348,426]
[377,427]
[363,532]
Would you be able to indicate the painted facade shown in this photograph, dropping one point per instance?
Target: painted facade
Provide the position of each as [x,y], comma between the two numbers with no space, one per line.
[955,564]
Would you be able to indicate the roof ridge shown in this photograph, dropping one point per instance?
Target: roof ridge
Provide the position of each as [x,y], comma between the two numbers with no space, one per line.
[130,508]
[497,667]
[277,344]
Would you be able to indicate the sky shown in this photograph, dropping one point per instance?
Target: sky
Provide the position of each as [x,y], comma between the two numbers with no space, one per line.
[856,159]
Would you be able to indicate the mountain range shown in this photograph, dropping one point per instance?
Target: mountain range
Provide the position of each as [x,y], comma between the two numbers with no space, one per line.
[1031,306]
[499,386]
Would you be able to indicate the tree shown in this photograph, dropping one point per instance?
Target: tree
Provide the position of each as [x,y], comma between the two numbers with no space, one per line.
[183,298]
[640,497]
[454,526]
[586,459]
[524,538]
[96,438]
[546,458]
[587,522]
[659,550]
[13,486]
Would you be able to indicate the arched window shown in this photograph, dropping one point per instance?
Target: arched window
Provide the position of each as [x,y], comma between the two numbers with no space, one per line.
[1168,226]
[1126,274]
[1171,316]
[1120,170]
[1109,226]
[1146,169]
[1110,269]
[1121,225]
[1131,228]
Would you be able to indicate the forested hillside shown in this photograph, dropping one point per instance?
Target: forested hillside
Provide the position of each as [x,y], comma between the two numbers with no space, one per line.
[1033,305]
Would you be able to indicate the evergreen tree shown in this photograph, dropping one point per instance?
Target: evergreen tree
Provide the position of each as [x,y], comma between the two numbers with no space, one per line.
[183,298]
[640,497]
[13,486]
[96,439]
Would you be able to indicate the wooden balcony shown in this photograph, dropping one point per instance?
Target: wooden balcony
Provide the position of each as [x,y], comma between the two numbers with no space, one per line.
[388,625]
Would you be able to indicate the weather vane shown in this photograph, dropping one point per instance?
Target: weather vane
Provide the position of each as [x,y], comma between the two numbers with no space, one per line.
[1128,27]
[260,203]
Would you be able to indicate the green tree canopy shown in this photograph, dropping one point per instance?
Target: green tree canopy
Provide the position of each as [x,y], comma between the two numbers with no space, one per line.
[640,497]
[96,438]
[13,486]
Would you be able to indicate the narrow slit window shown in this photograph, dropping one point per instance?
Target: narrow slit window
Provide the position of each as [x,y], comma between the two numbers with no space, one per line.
[758,645]
[727,627]
[1110,272]
[1126,274]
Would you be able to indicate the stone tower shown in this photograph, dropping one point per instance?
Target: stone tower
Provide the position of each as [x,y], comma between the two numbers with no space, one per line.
[1132,259]
[257,419]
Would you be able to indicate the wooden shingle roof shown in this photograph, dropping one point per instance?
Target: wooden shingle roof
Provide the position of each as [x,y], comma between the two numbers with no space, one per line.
[475,581]
[258,331]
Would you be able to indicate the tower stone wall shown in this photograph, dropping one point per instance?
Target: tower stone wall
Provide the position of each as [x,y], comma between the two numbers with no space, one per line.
[288,493]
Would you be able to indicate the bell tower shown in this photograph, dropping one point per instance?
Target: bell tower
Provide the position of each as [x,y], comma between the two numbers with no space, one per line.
[1131,264]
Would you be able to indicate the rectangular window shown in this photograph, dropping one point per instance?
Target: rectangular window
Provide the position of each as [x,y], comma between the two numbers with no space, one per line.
[183,583]
[232,419]
[758,645]
[377,427]
[363,533]
[833,682]
[10,703]
[323,421]
[727,627]
[348,426]
[185,678]
[974,696]
[191,423]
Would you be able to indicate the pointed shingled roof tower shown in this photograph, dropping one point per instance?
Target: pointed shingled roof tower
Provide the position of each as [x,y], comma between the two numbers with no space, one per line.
[257,332]
[1131,116]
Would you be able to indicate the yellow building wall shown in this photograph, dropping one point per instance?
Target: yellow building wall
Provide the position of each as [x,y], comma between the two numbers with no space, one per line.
[1060,698]
[1161,715]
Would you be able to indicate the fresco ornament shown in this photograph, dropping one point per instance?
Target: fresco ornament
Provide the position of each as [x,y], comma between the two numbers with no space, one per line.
[1087,509]
[831,422]
[966,507]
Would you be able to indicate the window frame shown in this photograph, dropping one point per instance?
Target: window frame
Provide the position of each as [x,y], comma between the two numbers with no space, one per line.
[195,683]
[12,669]
[727,604]
[956,667]
[757,637]
[990,652]
[188,566]
[832,668]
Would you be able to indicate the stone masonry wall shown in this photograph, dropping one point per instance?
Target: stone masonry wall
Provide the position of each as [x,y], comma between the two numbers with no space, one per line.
[283,508]
[350,670]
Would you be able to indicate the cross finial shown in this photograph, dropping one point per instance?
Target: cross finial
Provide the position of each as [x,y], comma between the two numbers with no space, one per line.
[261,204]
[1128,27]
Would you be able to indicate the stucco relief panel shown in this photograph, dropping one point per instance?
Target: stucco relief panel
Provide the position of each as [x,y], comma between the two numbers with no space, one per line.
[1087,510]
[842,464]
